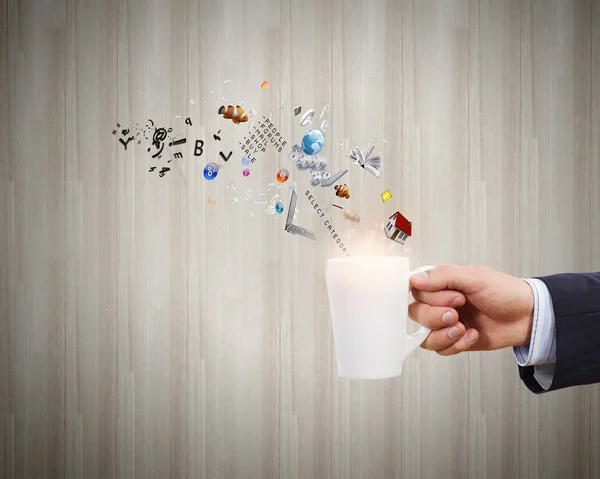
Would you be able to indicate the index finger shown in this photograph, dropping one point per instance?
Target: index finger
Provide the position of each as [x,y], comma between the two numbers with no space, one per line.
[445,276]
[446,297]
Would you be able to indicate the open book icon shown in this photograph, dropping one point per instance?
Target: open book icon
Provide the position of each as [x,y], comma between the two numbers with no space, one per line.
[365,160]
[291,228]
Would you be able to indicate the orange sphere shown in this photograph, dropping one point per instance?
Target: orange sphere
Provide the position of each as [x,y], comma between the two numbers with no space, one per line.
[283,175]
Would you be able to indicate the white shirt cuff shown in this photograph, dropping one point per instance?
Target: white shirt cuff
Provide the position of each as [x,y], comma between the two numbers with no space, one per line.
[542,347]
[541,350]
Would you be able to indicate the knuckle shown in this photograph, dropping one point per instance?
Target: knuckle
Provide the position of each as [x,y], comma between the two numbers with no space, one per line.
[472,268]
[475,270]
[418,312]
[446,270]
[463,344]
[446,298]
[417,294]
[444,267]
[441,268]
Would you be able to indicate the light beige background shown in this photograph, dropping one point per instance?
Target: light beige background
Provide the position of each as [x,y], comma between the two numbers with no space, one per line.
[145,333]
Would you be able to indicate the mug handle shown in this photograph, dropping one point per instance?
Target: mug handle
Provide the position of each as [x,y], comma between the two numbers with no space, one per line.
[415,340]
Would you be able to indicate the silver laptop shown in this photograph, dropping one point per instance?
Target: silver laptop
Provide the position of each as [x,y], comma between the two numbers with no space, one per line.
[296,230]
[334,178]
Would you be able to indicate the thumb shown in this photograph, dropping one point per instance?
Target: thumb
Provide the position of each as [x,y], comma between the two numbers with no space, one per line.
[448,276]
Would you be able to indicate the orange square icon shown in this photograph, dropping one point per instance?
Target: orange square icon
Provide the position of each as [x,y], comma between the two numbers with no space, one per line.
[265,85]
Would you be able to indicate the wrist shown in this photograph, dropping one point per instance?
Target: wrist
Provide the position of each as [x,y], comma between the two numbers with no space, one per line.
[526,322]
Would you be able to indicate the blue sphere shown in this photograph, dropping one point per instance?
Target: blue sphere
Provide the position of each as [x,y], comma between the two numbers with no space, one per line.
[279,207]
[211,171]
[313,142]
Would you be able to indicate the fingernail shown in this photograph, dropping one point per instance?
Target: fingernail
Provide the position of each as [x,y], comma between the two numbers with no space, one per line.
[457,302]
[454,332]
[422,277]
[448,318]
[471,336]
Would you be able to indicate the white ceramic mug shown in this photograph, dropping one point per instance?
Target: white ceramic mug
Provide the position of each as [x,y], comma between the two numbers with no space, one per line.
[368,301]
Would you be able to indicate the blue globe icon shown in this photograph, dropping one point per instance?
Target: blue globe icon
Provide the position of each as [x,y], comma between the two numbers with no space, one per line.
[313,142]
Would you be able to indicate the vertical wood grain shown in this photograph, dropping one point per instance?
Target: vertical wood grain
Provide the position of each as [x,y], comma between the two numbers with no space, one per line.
[595,205]
[147,333]
[91,296]
[35,233]
[7,233]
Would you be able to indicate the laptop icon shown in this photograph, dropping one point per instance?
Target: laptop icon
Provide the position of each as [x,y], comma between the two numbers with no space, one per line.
[334,178]
[296,230]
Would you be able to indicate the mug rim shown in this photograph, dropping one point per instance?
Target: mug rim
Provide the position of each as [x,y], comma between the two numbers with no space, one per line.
[368,258]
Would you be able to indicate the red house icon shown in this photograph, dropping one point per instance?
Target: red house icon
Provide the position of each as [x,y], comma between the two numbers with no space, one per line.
[398,228]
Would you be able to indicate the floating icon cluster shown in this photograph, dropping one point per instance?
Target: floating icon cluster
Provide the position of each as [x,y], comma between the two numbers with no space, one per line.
[156,139]
[307,155]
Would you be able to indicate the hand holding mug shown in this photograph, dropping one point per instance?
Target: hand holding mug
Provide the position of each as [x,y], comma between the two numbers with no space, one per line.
[471,308]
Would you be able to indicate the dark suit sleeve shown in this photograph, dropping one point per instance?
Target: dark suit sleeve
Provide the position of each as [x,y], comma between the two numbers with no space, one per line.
[576,302]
